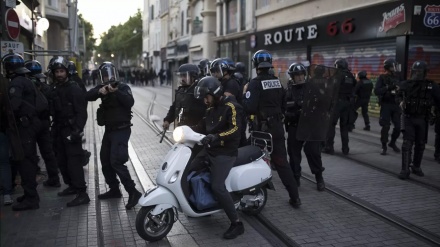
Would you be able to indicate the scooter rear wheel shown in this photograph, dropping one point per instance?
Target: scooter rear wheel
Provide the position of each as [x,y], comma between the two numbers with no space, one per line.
[261,197]
[149,229]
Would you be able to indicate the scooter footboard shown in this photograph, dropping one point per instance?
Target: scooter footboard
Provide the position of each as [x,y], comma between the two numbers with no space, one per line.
[157,196]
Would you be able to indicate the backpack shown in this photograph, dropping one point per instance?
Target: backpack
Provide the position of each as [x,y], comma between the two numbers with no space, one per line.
[201,194]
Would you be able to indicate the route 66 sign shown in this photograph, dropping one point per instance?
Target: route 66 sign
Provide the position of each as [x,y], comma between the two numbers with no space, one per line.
[432,16]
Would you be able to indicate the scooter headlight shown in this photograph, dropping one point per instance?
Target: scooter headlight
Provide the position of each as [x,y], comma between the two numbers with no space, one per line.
[178,135]
[174,177]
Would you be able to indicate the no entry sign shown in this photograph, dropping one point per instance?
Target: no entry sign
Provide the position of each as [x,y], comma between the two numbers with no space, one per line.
[12,24]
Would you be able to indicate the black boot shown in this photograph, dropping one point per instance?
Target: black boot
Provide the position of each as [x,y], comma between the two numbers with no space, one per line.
[52,183]
[384,149]
[320,185]
[67,191]
[345,150]
[367,127]
[417,161]
[81,198]
[234,230]
[133,197]
[393,145]
[112,193]
[406,159]
[25,205]
[328,150]
[295,202]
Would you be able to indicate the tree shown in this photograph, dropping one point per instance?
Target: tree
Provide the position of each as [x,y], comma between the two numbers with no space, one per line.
[124,41]
[90,41]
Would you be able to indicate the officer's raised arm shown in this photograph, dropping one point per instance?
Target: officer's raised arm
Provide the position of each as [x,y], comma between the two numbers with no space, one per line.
[124,95]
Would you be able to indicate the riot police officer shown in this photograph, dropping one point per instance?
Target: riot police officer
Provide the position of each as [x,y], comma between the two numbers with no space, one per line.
[264,98]
[437,134]
[22,98]
[417,97]
[385,89]
[70,116]
[204,67]
[73,73]
[342,109]
[363,90]
[44,139]
[115,114]
[220,144]
[295,97]
[223,70]
[186,108]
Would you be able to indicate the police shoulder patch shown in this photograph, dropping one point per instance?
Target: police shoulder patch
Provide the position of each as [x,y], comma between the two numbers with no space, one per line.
[129,91]
[12,90]
[271,84]
[248,94]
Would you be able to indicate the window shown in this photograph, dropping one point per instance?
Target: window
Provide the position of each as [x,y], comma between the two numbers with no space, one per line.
[231,19]
[182,23]
[243,15]
[52,3]
[152,12]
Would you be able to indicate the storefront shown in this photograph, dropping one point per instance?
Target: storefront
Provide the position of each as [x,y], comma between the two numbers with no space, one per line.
[234,49]
[365,37]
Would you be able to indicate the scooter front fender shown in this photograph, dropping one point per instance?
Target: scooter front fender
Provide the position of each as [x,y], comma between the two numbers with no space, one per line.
[158,196]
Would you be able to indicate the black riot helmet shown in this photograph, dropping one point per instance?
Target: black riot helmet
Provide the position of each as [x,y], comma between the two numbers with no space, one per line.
[240,67]
[35,68]
[389,64]
[362,74]
[419,70]
[204,66]
[13,63]
[188,73]
[108,73]
[295,70]
[219,65]
[59,63]
[208,85]
[230,63]
[341,63]
[262,59]
[72,68]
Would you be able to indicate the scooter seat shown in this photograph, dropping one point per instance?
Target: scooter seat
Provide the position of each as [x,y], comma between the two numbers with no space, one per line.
[248,154]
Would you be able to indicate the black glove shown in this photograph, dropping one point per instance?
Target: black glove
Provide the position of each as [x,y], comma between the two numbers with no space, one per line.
[76,136]
[209,139]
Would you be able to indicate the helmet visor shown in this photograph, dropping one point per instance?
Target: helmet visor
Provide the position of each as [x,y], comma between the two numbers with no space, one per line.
[417,74]
[184,77]
[108,74]
[216,69]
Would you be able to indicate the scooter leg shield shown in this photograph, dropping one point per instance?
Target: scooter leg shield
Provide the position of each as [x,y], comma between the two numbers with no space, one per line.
[159,196]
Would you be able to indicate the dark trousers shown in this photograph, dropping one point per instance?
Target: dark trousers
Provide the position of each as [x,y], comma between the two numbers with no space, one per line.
[114,154]
[415,132]
[221,165]
[437,138]
[45,145]
[363,104]
[389,112]
[279,157]
[312,149]
[29,165]
[341,114]
[243,139]
[70,159]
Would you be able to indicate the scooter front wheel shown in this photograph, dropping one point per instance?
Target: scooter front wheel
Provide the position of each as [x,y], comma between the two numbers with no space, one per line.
[254,202]
[154,227]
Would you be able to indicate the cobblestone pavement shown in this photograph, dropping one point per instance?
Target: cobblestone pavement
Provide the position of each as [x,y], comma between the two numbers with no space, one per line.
[324,219]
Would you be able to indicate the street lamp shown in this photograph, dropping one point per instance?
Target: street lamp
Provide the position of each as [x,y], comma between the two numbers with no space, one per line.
[112,55]
[145,57]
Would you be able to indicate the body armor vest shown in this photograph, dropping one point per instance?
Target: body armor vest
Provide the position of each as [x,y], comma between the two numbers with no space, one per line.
[295,99]
[418,98]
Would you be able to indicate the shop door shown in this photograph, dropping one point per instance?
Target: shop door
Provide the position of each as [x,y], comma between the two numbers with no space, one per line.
[428,51]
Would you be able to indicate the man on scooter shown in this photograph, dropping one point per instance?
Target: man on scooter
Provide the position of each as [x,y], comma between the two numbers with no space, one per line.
[221,143]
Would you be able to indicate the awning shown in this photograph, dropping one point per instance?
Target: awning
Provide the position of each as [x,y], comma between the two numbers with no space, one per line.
[195,48]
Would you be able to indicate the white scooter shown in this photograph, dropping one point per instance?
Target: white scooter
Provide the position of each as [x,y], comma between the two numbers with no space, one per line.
[247,182]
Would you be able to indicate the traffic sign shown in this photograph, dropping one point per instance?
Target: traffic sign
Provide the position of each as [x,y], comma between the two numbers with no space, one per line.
[12,24]
[16,47]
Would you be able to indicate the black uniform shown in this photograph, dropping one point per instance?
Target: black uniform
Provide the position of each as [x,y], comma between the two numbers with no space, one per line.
[115,114]
[418,98]
[437,134]
[80,82]
[22,96]
[312,149]
[241,82]
[232,86]
[44,139]
[70,116]
[342,112]
[363,90]
[265,99]
[221,120]
[186,108]
[385,89]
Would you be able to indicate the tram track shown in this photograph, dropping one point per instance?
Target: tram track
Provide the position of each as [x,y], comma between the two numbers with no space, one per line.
[404,225]
[392,173]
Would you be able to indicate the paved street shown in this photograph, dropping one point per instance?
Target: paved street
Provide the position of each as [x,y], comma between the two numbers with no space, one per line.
[365,204]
